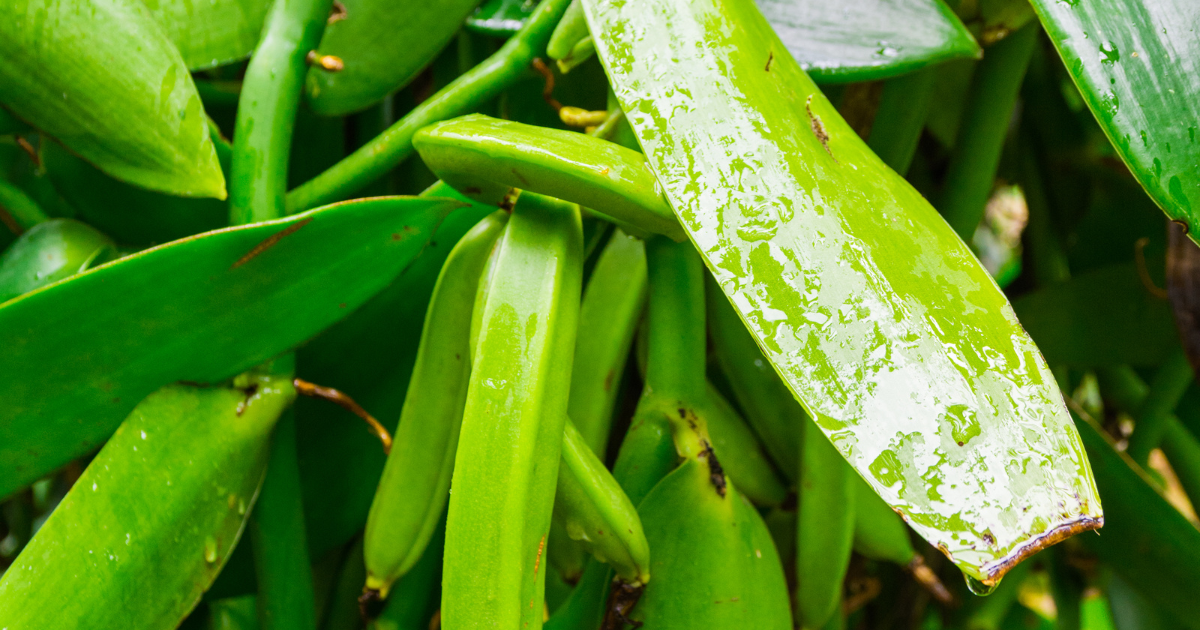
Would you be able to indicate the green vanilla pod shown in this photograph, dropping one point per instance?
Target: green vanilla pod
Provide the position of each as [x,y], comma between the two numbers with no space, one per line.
[880,534]
[101,77]
[116,342]
[267,106]
[566,556]
[714,564]
[176,481]
[570,43]
[509,446]
[20,207]
[466,93]
[414,600]
[49,252]
[770,407]
[212,33]
[413,490]
[483,157]
[608,316]
[382,48]
[740,452]
[824,528]
[755,161]
[594,510]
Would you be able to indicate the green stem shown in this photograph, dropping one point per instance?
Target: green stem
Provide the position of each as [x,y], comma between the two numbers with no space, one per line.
[267,108]
[23,210]
[676,349]
[900,118]
[467,93]
[1048,259]
[1168,386]
[285,591]
[988,111]
[1125,389]
[266,118]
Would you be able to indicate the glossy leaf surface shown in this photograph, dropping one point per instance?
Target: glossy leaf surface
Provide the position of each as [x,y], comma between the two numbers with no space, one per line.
[101,77]
[146,529]
[864,40]
[1137,65]
[878,317]
[500,18]
[382,46]
[212,32]
[51,251]
[90,347]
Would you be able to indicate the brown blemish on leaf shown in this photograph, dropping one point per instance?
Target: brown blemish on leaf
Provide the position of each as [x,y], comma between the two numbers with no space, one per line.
[337,12]
[537,562]
[30,151]
[818,127]
[770,58]
[270,242]
[1080,524]
[524,182]
[608,380]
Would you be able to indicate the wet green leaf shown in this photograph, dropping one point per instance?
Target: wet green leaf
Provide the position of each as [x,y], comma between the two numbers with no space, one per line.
[89,348]
[212,32]
[383,46]
[864,40]
[1135,63]
[101,77]
[500,17]
[878,317]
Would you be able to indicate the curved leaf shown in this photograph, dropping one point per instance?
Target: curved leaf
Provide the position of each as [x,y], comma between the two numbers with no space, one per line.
[213,32]
[500,18]
[877,316]
[383,46]
[81,353]
[864,40]
[1137,65]
[102,78]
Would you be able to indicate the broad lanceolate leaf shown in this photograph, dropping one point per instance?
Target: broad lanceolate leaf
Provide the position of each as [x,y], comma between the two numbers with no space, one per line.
[155,516]
[878,317]
[863,40]
[212,32]
[81,353]
[101,77]
[382,46]
[1137,64]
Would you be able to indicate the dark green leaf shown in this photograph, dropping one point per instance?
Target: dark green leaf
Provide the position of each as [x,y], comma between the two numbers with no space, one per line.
[83,352]
[211,33]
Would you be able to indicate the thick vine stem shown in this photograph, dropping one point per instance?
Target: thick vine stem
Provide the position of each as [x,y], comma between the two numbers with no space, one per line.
[271,92]
[464,95]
